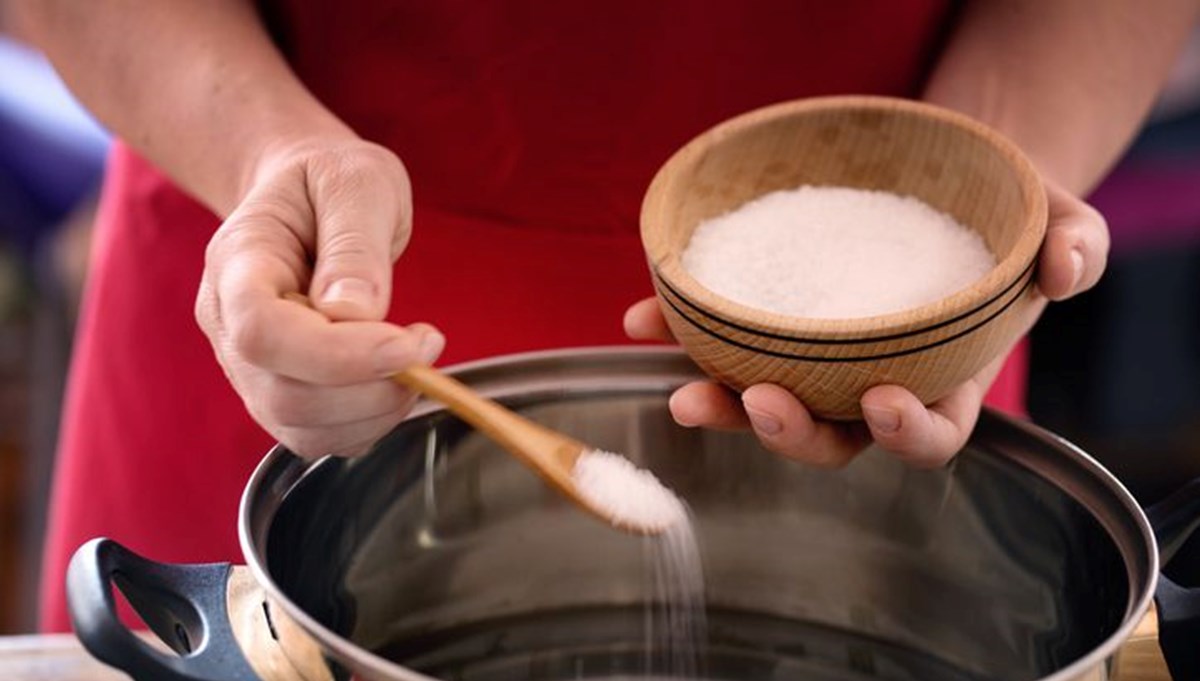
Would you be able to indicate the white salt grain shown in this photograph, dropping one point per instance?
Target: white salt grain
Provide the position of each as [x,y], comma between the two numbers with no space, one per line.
[835,252]
[631,496]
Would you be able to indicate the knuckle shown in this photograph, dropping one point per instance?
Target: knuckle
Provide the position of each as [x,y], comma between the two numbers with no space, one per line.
[206,310]
[218,245]
[259,213]
[284,406]
[251,338]
[344,246]
[365,171]
[355,167]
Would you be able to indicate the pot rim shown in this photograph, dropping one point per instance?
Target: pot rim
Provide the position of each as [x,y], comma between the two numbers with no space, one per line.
[1089,487]
[1098,481]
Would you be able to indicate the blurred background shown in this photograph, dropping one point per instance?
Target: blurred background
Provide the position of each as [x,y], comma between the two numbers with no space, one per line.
[51,161]
[1117,371]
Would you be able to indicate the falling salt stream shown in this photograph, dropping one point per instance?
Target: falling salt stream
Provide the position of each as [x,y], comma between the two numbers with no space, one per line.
[676,628]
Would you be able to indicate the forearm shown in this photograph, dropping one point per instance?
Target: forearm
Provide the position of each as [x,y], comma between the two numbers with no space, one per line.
[1070,81]
[195,86]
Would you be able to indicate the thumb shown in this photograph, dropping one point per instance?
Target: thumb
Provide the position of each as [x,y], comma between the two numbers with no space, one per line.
[362,225]
[1076,248]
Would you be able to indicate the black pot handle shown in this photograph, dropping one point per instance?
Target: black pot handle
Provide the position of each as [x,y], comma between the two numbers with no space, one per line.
[183,604]
[1174,520]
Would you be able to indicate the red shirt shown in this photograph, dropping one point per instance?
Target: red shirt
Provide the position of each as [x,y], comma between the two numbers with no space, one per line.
[530,129]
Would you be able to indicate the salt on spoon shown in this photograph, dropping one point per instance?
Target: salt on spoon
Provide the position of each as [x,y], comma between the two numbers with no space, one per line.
[629,494]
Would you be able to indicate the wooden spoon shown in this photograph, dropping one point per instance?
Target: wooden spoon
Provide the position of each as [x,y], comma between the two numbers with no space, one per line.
[551,454]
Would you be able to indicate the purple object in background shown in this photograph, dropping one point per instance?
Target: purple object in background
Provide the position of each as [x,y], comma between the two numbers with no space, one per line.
[51,151]
[1151,203]
[1152,199]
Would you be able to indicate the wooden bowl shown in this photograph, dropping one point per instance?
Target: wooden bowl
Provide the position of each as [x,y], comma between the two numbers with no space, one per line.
[946,159]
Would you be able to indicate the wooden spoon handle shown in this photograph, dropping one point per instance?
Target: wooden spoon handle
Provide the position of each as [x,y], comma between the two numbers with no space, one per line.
[551,453]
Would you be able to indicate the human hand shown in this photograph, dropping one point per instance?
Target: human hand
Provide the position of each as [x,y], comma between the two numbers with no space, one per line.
[1071,260]
[324,220]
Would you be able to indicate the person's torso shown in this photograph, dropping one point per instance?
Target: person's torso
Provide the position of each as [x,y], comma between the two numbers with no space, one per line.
[557,114]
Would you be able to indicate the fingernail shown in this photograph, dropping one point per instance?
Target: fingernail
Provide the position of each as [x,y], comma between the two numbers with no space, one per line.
[432,344]
[763,422]
[1076,268]
[350,290]
[674,408]
[882,419]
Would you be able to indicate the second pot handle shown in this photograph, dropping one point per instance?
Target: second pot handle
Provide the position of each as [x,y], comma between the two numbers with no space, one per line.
[183,604]
[1175,519]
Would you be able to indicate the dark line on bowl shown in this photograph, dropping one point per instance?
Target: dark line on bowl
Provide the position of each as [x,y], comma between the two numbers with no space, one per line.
[866,358]
[270,622]
[839,341]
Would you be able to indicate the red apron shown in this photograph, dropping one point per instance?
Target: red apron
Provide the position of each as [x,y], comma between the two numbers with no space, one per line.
[531,130]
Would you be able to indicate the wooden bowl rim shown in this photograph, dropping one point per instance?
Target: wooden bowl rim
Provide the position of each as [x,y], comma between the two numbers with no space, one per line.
[667,266]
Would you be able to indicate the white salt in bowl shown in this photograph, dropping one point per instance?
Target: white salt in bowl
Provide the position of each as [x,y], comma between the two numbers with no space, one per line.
[947,160]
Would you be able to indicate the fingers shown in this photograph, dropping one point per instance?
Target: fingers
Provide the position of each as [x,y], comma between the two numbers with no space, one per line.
[927,436]
[707,404]
[253,262]
[294,404]
[786,427]
[778,419]
[363,209]
[318,420]
[299,343]
[923,437]
[316,385]
[284,337]
[893,417]
[644,321]
[1075,251]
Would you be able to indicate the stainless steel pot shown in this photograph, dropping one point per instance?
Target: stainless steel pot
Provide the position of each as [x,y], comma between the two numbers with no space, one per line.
[438,556]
